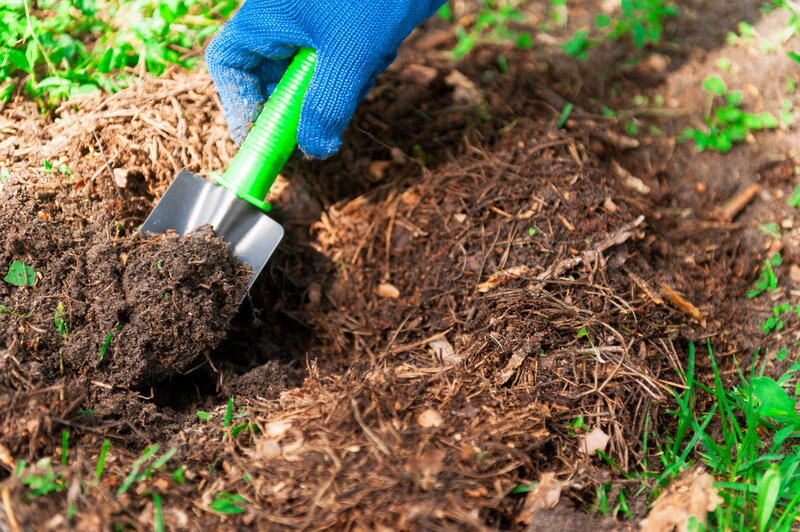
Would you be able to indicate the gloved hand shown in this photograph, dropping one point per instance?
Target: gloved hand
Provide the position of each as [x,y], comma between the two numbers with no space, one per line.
[355,41]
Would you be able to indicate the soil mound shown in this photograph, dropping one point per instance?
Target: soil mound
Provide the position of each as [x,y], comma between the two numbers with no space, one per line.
[126,312]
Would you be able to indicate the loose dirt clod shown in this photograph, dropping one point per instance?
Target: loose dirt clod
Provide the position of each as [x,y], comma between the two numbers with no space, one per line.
[107,315]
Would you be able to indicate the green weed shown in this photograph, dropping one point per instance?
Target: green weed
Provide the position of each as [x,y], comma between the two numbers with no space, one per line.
[228,503]
[20,274]
[579,45]
[794,199]
[42,480]
[136,476]
[107,343]
[5,310]
[493,24]
[748,441]
[775,322]
[60,320]
[64,447]
[158,513]
[642,20]
[51,50]
[768,282]
[101,460]
[728,123]
[559,12]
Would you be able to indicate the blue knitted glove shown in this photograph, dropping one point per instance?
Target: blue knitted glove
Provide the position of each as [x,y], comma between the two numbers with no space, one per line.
[355,41]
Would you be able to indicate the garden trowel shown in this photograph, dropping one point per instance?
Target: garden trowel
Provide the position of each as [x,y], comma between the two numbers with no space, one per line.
[235,207]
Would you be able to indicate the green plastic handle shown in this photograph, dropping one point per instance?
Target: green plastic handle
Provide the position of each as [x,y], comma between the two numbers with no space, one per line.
[273,138]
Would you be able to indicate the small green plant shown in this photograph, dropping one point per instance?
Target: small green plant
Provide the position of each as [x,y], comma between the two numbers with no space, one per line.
[523,488]
[136,476]
[794,199]
[747,440]
[565,113]
[158,513]
[20,274]
[5,310]
[228,503]
[55,49]
[768,282]
[775,322]
[559,12]
[107,343]
[42,479]
[64,447]
[642,20]
[178,476]
[226,421]
[493,23]
[728,123]
[603,503]
[579,45]
[577,426]
[60,320]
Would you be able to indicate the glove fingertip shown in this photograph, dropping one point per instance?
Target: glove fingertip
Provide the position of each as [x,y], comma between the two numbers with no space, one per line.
[318,145]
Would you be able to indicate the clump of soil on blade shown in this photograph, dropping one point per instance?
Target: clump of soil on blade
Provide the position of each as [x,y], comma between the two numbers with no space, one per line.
[116,314]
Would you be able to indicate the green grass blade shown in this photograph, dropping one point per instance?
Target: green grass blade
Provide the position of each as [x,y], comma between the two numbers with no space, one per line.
[101,460]
[768,491]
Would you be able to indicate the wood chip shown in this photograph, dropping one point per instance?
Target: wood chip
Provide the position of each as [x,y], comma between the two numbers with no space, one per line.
[419,74]
[430,418]
[120,177]
[388,291]
[689,497]
[731,208]
[629,180]
[377,169]
[6,457]
[465,92]
[276,429]
[594,441]
[681,303]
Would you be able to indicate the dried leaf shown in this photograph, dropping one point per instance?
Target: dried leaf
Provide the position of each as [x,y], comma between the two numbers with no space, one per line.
[276,429]
[546,494]
[594,441]
[388,291]
[428,467]
[516,360]
[691,495]
[498,278]
[430,418]
[443,350]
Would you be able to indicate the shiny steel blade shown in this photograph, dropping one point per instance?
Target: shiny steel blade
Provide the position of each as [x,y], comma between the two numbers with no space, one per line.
[191,201]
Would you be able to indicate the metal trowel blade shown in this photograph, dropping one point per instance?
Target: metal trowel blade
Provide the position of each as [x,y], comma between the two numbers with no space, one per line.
[191,202]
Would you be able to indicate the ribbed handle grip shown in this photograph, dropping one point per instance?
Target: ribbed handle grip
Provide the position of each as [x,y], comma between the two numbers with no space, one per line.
[273,137]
